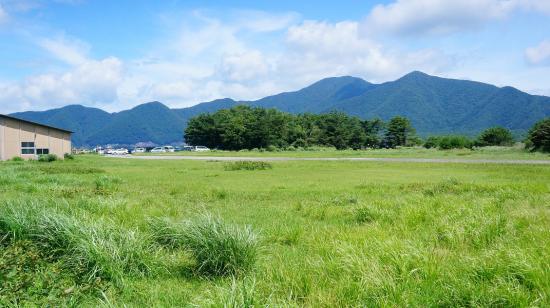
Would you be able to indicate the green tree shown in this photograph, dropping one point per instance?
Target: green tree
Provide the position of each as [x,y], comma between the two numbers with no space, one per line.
[373,132]
[539,136]
[399,132]
[432,142]
[495,136]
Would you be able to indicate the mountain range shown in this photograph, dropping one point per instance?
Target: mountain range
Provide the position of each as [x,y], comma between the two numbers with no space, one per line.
[434,105]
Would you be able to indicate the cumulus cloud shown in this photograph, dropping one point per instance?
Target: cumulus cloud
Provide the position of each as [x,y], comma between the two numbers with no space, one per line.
[86,81]
[204,58]
[539,55]
[435,17]
[244,66]
[331,49]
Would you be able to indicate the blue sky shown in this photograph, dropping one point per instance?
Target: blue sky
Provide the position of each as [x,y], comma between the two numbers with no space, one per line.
[117,54]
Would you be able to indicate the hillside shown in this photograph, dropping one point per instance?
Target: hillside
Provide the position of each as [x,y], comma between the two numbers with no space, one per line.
[435,106]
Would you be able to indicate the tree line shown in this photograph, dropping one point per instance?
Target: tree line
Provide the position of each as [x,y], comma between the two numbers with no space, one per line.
[245,127]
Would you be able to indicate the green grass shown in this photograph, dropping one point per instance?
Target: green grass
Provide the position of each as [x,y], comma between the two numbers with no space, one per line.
[331,233]
[418,152]
[247,165]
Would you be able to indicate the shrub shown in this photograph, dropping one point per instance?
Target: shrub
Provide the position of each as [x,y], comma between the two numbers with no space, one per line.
[431,142]
[539,136]
[17,158]
[454,142]
[272,148]
[47,158]
[218,248]
[495,136]
[247,165]
[68,156]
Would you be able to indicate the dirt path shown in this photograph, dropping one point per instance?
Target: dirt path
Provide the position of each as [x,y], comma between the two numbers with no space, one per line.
[374,159]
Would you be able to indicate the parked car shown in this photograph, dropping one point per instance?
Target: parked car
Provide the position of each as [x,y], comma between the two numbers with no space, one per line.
[139,150]
[120,151]
[169,148]
[200,148]
[187,148]
[158,150]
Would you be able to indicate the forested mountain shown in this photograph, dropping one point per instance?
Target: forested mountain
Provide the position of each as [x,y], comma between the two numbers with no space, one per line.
[434,105]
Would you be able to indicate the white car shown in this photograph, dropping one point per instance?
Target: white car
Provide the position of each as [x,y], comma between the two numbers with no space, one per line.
[139,150]
[120,151]
[169,148]
[158,150]
[200,148]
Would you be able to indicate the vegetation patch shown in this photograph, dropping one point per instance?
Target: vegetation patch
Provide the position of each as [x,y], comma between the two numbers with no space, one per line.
[105,185]
[47,158]
[68,169]
[218,248]
[247,165]
[364,215]
[35,278]
[91,250]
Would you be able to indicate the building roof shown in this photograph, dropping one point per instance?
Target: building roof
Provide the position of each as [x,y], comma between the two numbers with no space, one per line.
[35,123]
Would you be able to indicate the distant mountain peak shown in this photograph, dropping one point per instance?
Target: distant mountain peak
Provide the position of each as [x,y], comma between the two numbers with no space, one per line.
[434,105]
[416,75]
[151,105]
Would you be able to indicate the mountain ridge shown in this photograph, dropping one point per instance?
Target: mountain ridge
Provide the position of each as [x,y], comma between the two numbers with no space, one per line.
[435,105]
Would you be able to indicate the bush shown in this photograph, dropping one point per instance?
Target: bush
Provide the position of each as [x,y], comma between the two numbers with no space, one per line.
[448,142]
[218,248]
[539,136]
[17,158]
[247,165]
[47,158]
[431,142]
[495,136]
[272,148]
[454,142]
[68,156]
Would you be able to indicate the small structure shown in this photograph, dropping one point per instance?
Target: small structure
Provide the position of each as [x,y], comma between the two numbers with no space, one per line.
[28,140]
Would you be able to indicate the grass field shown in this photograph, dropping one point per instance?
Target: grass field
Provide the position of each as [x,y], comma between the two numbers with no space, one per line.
[479,153]
[113,232]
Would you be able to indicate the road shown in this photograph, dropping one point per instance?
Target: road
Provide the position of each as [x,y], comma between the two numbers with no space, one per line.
[372,159]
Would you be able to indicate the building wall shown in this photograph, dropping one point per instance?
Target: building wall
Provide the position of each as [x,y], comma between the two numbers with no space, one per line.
[14,132]
[1,138]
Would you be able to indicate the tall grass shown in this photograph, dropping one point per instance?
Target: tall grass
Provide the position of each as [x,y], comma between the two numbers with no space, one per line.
[218,248]
[94,249]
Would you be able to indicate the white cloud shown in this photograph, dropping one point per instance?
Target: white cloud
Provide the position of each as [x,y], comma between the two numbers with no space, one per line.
[539,55]
[321,49]
[72,52]
[434,16]
[3,15]
[87,81]
[542,6]
[258,21]
[244,66]
[205,58]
